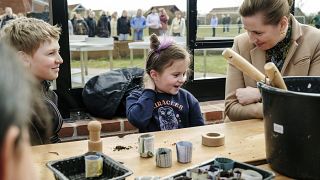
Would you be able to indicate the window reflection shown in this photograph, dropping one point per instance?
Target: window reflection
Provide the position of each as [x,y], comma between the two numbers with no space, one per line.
[106,36]
[12,9]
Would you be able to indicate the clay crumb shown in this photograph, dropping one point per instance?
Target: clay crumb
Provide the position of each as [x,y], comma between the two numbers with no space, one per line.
[120,148]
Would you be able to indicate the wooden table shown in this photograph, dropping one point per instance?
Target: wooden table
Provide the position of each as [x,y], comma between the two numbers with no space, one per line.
[244,143]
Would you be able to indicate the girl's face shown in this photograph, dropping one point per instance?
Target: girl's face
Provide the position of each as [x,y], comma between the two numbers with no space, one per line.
[264,36]
[172,78]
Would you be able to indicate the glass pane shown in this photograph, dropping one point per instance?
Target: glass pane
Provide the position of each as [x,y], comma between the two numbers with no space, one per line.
[219,20]
[10,9]
[209,63]
[306,11]
[121,49]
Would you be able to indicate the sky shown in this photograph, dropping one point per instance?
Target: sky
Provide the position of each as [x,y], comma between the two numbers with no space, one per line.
[307,6]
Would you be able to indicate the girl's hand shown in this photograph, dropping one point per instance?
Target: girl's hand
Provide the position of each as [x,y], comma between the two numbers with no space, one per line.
[248,95]
[148,82]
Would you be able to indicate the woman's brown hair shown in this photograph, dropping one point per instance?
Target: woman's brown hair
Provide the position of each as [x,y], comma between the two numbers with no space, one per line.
[273,10]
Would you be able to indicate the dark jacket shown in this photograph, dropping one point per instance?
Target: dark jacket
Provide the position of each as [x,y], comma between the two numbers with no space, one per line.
[39,130]
[80,27]
[91,26]
[152,111]
[103,27]
[123,26]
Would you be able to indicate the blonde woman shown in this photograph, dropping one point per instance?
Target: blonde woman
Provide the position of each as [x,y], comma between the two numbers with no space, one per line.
[178,25]
[113,24]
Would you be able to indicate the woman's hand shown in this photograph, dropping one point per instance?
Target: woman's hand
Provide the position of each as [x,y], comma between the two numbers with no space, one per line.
[248,95]
[148,82]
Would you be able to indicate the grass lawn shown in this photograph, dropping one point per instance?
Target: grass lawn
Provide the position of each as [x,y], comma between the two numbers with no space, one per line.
[215,64]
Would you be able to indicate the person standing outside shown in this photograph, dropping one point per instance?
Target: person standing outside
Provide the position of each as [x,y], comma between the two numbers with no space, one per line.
[8,15]
[123,26]
[113,24]
[92,24]
[138,24]
[178,25]
[153,22]
[239,23]
[227,22]
[214,24]
[164,18]
[316,20]
[103,26]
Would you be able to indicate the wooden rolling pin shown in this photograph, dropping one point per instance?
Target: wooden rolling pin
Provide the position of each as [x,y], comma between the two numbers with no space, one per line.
[243,65]
[274,77]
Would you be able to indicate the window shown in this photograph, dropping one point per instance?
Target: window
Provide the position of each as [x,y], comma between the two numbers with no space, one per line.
[69,91]
[208,81]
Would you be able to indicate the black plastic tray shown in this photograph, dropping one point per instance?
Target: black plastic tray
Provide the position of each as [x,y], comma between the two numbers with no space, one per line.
[74,168]
[265,174]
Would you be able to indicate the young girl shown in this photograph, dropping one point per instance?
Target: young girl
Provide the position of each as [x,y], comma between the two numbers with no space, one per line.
[163,104]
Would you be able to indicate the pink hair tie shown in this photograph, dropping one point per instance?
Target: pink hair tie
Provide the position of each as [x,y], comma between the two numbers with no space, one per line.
[165,42]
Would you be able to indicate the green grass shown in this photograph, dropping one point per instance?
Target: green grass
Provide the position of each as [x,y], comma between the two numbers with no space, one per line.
[207,32]
[215,64]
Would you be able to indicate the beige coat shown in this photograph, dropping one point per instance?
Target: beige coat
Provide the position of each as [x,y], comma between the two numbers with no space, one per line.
[303,59]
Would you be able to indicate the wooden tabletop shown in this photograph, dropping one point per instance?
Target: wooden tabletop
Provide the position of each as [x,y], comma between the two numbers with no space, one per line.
[244,142]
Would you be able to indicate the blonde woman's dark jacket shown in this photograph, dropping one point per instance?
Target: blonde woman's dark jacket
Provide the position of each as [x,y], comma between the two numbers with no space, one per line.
[303,59]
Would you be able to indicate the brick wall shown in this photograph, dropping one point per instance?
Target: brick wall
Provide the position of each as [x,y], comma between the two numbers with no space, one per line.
[212,112]
[18,6]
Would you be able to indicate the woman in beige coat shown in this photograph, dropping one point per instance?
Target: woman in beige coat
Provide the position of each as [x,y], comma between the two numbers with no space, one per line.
[273,35]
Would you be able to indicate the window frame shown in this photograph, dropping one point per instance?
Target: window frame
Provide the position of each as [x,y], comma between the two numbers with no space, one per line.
[70,99]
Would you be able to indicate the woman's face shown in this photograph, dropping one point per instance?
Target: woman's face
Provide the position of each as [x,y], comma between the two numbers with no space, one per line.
[264,36]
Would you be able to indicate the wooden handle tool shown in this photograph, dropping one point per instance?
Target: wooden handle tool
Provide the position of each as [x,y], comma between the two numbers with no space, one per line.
[94,143]
[274,76]
[243,65]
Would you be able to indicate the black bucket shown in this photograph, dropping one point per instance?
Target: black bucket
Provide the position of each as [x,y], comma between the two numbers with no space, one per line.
[292,127]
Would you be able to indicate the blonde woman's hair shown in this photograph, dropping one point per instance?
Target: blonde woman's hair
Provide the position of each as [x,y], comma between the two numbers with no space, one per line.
[27,34]
[273,10]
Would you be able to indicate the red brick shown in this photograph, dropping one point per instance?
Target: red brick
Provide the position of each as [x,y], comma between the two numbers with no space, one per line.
[128,126]
[82,128]
[18,6]
[67,130]
[110,126]
[214,115]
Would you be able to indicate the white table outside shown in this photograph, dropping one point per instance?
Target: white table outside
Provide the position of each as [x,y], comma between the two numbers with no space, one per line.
[84,46]
[145,45]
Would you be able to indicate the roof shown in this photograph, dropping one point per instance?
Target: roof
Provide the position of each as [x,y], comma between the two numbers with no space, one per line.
[225,10]
[76,7]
